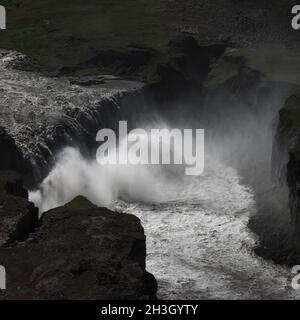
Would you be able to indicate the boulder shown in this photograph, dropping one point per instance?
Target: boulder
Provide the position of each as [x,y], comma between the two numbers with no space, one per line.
[80,251]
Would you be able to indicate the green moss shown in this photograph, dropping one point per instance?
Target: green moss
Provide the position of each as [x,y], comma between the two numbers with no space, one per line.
[295,152]
[60,33]
[76,206]
[293,102]
[290,119]
[79,203]
[290,113]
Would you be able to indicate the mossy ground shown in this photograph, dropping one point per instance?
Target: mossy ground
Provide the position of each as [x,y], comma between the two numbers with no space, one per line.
[65,33]
[60,33]
[291,108]
[76,207]
[290,119]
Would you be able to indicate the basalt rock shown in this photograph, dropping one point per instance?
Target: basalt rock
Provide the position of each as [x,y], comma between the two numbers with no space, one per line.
[293,179]
[11,156]
[286,154]
[18,216]
[80,251]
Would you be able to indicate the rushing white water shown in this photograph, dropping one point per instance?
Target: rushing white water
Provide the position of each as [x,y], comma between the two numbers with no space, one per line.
[34,107]
[73,175]
[199,245]
[198,242]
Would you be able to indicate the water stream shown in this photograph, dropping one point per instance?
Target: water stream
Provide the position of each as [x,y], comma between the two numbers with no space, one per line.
[198,242]
[199,245]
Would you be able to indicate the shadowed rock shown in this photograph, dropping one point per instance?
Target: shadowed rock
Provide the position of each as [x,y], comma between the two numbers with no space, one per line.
[80,251]
[18,216]
[11,156]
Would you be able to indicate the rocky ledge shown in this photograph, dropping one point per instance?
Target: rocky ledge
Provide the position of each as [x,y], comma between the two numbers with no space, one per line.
[286,156]
[286,168]
[78,251]
[18,217]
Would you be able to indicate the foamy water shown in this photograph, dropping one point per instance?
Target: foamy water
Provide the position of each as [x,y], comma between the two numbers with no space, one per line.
[198,242]
[199,245]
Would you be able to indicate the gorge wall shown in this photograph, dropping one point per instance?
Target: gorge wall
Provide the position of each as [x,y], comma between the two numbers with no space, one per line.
[286,156]
[218,91]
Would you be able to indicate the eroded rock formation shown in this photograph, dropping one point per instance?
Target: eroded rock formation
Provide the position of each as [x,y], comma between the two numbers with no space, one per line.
[80,251]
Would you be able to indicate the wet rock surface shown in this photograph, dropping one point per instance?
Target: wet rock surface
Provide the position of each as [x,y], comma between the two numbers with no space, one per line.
[11,156]
[18,216]
[279,228]
[43,114]
[80,251]
[287,158]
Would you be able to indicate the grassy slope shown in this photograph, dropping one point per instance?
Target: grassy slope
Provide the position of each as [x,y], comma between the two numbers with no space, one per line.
[61,33]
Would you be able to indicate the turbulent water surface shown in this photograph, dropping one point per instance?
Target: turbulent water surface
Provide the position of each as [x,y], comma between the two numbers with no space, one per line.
[199,246]
[198,243]
[35,107]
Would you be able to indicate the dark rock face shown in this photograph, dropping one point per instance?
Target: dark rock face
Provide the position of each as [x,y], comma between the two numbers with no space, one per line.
[293,180]
[80,251]
[18,216]
[189,62]
[11,156]
[286,168]
[127,62]
[286,155]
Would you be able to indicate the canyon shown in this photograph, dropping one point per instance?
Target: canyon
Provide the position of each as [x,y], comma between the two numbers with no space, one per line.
[211,237]
[35,153]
